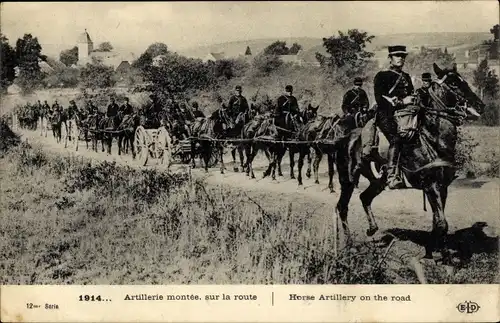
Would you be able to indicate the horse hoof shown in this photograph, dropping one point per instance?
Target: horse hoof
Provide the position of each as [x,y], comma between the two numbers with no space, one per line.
[300,183]
[236,169]
[308,174]
[370,232]
[316,182]
[280,174]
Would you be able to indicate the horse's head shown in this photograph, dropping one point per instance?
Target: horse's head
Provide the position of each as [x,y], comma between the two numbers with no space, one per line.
[457,92]
[310,113]
[221,117]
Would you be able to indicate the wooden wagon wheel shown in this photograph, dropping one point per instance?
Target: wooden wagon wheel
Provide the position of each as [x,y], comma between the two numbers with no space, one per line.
[75,134]
[141,142]
[163,147]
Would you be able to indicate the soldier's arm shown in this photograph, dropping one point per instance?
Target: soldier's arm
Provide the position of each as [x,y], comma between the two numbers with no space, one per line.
[345,102]
[379,89]
[365,102]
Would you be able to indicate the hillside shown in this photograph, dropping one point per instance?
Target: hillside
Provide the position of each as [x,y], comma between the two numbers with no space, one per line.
[413,40]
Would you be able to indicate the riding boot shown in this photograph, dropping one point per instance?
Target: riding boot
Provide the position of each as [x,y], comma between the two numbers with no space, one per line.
[393,179]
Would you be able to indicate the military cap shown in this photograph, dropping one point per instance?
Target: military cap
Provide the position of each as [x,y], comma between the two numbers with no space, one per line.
[195,104]
[426,77]
[398,49]
[288,88]
[238,87]
[358,81]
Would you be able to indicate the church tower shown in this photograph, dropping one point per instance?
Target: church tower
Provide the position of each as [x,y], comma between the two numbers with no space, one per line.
[85,47]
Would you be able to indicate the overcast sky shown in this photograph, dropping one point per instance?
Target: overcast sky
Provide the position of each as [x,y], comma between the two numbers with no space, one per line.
[135,25]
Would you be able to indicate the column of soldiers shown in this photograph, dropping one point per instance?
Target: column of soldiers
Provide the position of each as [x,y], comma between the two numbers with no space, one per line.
[393,90]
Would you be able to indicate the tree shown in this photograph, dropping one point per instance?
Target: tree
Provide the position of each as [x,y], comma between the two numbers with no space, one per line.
[7,63]
[493,45]
[248,51]
[294,50]
[487,83]
[276,48]
[422,61]
[266,64]
[69,56]
[96,75]
[177,75]
[146,59]
[157,49]
[28,52]
[105,47]
[347,56]
[143,62]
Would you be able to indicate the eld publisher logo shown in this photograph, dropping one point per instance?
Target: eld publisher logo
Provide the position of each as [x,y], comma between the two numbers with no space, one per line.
[468,307]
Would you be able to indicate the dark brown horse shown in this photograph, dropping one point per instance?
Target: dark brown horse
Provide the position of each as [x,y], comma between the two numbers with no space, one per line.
[126,133]
[213,127]
[308,115]
[427,161]
[236,133]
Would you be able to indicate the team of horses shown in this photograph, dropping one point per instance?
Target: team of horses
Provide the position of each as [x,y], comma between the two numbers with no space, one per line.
[426,162]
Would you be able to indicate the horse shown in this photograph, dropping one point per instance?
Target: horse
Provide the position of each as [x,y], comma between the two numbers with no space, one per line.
[236,132]
[107,128]
[126,132]
[426,161]
[56,119]
[271,134]
[93,121]
[308,115]
[213,127]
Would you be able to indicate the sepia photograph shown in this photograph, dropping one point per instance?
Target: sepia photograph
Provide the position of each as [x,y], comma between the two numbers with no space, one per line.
[250,143]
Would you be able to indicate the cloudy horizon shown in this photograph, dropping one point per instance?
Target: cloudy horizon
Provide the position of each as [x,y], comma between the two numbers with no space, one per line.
[183,25]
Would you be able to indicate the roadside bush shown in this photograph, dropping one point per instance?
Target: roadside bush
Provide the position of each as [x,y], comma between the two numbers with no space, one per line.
[464,157]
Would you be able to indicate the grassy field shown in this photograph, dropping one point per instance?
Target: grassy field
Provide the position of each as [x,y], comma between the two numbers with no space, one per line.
[66,220]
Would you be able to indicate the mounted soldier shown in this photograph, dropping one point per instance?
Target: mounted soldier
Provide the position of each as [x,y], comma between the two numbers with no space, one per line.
[238,105]
[197,113]
[45,108]
[287,103]
[423,92]
[355,100]
[393,91]
[127,108]
[112,112]
[56,107]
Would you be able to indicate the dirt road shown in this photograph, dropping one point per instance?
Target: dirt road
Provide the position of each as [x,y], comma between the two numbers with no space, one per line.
[470,201]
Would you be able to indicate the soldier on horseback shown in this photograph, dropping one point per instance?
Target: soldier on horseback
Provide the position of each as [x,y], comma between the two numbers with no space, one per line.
[238,105]
[56,107]
[197,113]
[127,108]
[423,92]
[393,90]
[355,100]
[287,103]
[112,111]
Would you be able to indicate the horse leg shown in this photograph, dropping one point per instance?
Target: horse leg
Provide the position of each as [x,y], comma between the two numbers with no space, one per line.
[279,158]
[300,164]
[373,190]
[439,232]
[220,149]
[233,153]
[317,159]
[291,154]
[240,152]
[250,151]
[331,171]
[309,162]
[346,190]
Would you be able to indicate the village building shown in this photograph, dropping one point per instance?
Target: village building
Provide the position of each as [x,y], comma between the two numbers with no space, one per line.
[87,53]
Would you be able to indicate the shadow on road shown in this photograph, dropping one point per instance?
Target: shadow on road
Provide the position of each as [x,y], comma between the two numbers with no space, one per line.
[465,242]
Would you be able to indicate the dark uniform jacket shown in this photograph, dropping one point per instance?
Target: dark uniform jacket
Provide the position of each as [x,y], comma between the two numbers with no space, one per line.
[355,100]
[237,104]
[127,109]
[45,108]
[391,83]
[287,104]
[112,110]
[424,97]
